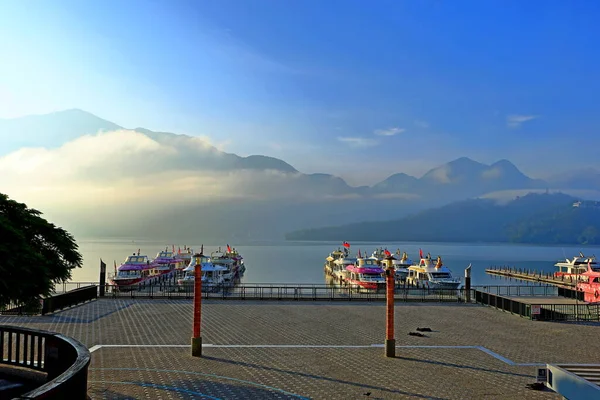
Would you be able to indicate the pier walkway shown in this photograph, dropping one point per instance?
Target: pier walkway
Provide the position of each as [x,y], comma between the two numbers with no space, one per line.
[531,276]
[317,350]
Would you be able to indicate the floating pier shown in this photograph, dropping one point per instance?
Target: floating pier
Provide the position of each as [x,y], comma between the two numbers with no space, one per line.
[531,275]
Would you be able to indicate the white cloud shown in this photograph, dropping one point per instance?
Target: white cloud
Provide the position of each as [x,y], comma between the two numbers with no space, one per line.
[389,132]
[515,121]
[358,141]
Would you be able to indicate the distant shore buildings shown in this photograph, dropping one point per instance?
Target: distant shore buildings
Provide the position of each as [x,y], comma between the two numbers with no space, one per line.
[587,204]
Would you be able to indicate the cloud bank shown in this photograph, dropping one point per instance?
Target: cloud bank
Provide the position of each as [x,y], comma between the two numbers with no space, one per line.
[129,170]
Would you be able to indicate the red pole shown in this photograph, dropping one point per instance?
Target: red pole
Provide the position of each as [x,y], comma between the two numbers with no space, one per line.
[197,337]
[390,342]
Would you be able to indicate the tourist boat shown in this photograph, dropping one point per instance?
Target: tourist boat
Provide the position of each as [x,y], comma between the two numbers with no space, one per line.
[401,266]
[574,266]
[134,270]
[229,261]
[238,261]
[330,261]
[212,275]
[434,276]
[589,283]
[366,274]
[340,266]
[166,262]
[186,255]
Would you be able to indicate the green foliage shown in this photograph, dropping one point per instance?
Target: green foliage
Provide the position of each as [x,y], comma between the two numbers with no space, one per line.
[35,255]
[535,218]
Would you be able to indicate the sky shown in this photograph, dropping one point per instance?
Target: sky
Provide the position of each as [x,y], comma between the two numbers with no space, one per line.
[354,88]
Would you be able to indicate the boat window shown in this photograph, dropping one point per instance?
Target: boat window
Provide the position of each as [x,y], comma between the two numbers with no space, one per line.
[440,275]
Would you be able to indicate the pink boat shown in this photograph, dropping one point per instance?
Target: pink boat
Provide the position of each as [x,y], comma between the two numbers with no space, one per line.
[134,270]
[165,262]
[365,275]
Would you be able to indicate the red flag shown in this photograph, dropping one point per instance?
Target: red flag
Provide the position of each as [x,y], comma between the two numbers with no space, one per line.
[359,254]
[387,253]
[420,253]
[178,250]
[347,245]
[228,249]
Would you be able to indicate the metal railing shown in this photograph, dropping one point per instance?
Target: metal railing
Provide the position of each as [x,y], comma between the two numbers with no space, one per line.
[64,360]
[540,312]
[68,299]
[502,303]
[283,292]
[33,307]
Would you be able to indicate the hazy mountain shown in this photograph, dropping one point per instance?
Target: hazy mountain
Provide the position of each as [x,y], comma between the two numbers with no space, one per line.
[461,178]
[132,181]
[535,218]
[50,130]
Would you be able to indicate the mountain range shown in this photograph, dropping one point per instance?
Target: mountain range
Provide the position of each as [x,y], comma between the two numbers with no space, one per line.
[534,218]
[270,196]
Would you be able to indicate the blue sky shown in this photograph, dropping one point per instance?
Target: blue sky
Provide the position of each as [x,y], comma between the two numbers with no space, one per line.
[319,83]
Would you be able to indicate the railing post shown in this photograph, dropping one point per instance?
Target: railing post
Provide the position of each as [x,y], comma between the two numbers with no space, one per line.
[468,283]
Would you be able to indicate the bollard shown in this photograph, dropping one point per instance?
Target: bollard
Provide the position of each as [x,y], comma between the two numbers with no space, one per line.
[468,283]
[102,278]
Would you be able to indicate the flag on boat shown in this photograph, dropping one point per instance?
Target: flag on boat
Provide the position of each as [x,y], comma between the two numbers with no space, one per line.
[359,254]
[228,249]
[138,252]
[420,253]
[115,266]
[347,245]
[173,247]
[178,250]
[387,253]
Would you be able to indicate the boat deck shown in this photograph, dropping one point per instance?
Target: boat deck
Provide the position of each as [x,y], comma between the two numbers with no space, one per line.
[284,350]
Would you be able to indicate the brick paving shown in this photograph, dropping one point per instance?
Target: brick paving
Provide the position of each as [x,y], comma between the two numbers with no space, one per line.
[155,362]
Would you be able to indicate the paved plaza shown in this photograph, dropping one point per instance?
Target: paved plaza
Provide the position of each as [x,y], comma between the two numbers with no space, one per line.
[313,350]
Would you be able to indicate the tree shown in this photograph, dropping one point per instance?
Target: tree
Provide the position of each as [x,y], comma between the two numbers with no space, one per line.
[35,255]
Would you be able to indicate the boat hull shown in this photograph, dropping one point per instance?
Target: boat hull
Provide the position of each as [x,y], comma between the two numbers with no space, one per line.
[374,286]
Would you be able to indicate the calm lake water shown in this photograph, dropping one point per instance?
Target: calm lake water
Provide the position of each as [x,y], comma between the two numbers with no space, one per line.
[302,262]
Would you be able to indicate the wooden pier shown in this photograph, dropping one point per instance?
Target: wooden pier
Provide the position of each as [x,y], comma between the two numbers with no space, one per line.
[532,276]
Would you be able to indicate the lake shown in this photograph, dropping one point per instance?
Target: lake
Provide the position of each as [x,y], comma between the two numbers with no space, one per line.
[302,262]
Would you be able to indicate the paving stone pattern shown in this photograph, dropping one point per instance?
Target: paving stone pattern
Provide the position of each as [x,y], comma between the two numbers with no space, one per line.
[152,371]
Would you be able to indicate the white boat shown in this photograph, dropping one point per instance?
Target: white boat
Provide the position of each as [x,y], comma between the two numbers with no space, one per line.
[401,266]
[340,265]
[186,255]
[430,275]
[212,275]
[222,259]
[330,260]
[575,266]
